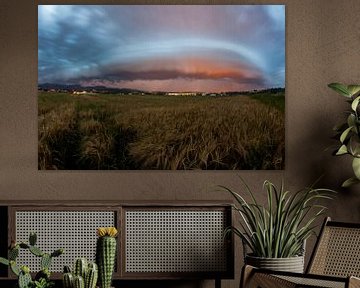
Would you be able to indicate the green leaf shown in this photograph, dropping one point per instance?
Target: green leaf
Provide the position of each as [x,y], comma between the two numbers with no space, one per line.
[340,88]
[45,261]
[4,261]
[342,150]
[14,268]
[23,245]
[57,252]
[13,253]
[349,182]
[353,89]
[354,145]
[355,103]
[356,167]
[351,120]
[36,251]
[345,134]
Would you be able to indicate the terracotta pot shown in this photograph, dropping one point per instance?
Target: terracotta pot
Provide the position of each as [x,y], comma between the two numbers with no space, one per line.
[291,264]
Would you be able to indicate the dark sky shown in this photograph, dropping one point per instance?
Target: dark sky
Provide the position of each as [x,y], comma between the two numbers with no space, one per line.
[209,48]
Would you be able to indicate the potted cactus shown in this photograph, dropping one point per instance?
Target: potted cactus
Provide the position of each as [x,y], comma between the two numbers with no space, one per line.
[42,278]
[106,254]
[85,275]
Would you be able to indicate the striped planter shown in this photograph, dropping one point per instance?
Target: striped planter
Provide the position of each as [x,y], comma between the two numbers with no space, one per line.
[291,264]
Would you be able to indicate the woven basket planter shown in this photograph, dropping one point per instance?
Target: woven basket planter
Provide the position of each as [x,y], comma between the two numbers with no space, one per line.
[291,264]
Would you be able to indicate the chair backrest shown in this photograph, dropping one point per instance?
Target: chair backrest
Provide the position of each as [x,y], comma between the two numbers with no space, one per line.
[337,251]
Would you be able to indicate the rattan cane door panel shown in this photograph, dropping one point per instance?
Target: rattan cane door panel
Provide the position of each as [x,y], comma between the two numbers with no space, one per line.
[74,230]
[175,241]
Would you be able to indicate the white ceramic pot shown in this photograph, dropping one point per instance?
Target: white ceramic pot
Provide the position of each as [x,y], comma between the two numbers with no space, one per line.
[291,264]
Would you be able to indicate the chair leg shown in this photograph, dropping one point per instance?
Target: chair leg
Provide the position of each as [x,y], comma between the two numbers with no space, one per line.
[246,274]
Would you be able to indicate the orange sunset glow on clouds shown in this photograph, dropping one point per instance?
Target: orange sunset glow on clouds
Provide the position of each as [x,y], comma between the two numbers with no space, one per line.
[163,47]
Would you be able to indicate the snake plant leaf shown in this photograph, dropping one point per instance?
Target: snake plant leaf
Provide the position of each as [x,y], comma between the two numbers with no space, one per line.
[342,150]
[356,167]
[340,88]
[353,89]
[351,181]
[345,134]
[355,103]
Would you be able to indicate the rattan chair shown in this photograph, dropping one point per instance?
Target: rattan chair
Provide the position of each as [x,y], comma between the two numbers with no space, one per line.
[334,263]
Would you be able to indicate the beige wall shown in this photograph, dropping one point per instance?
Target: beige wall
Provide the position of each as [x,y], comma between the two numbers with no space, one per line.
[322,46]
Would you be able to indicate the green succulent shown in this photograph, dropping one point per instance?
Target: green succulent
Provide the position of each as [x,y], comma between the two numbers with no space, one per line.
[43,283]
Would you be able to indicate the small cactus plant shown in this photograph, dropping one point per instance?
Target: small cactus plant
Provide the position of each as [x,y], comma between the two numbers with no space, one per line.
[85,275]
[106,254]
[79,282]
[80,268]
[91,276]
[68,278]
[42,278]
[25,279]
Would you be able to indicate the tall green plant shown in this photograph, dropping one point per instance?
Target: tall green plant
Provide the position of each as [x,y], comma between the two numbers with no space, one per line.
[349,132]
[106,254]
[279,229]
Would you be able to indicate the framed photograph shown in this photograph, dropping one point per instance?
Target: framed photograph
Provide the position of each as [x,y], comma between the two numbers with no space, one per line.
[161,87]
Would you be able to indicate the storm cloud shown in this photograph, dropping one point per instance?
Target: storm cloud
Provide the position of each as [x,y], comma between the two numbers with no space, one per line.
[163,47]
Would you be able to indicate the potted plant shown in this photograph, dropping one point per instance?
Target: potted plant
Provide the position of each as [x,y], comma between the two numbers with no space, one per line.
[106,254]
[276,233]
[87,274]
[349,132]
[84,274]
[42,278]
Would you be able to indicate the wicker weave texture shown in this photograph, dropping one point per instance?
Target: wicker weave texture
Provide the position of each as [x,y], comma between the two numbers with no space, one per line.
[338,252]
[268,281]
[75,231]
[313,282]
[175,241]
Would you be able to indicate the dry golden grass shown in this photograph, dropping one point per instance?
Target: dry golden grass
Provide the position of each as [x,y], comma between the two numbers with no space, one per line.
[160,132]
[56,134]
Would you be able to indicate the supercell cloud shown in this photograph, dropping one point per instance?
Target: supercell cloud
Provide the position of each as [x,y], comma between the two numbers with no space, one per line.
[163,48]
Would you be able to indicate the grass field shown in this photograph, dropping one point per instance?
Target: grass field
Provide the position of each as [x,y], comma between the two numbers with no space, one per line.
[161,132]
